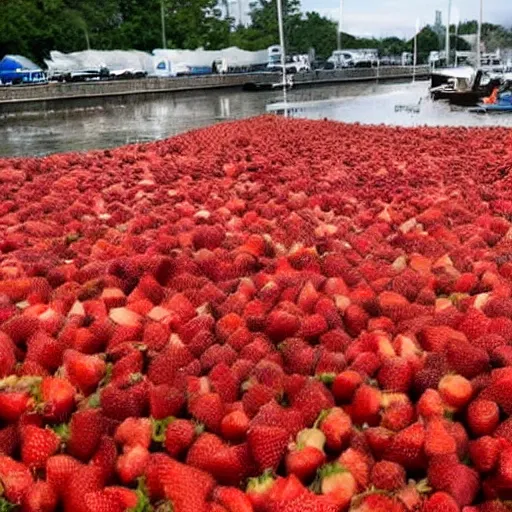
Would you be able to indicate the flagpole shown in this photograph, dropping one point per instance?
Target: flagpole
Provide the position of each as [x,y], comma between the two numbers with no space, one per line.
[479,37]
[415,55]
[283,52]
[448,33]
[340,24]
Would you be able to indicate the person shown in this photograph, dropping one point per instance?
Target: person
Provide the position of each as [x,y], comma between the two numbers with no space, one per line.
[493,98]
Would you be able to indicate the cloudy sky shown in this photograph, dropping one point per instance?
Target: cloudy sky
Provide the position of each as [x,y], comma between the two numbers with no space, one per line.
[398,17]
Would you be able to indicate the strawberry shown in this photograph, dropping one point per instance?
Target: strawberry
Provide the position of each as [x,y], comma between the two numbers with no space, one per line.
[407,447]
[484,453]
[134,432]
[455,390]
[234,426]
[15,478]
[281,325]
[366,405]
[355,319]
[306,455]
[395,374]
[84,372]
[256,397]
[124,399]
[58,397]
[466,359]
[37,445]
[179,436]
[40,498]
[437,439]
[233,500]
[483,417]
[105,457]
[187,488]
[163,368]
[45,350]
[7,355]
[88,479]
[337,428]
[207,409]
[446,474]
[345,385]
[436,338]
[165,401]
[337,483]
[223,381]
[308,502]
[85,430]
[9,439]
[377,502]
[59,469]
[430,404]
[268,445]
[388,476]
[358,463]
[311,400]
[13,404]
[132,464]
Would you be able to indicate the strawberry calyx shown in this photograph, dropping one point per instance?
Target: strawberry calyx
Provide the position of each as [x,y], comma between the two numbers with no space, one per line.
[423,487]
[261,484]
[323,415]
[7,506]
[63,431]
[325,472]
[326,378]
[143,502]
[159,427]
[164,506]
[359,498]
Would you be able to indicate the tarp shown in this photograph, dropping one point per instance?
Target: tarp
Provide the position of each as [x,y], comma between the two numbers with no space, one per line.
[114,60]
[15,62]
[233,55]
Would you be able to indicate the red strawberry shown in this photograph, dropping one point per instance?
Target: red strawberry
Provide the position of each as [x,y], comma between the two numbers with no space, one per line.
[430,404]
[132,464]
[15,478]
[233,500]
[256,397]
[37,445]
[455,390]
[59,469]
[207,409]
[165,401]
[358,463]
[186,487]
[88,479]
[268,445]
[7,355]
[306,455]
[58,396]
[9,439]
[376,502]
[337,428]
[345,385]
[234,426]
[407,447]
[163,368]
[179,436]
[121,400]
[338,484]
[45,350]
[395,374]
[388,476]
[366,405]
[437,439]
[311,400]
[483,417]
[441,502]
[105,457]
[85,431]
[484,453]
[355,319]
[436,338]
[40,498]
[134,432]
[14,404]
[307,502]
[281,325]
[84,372]
[466,359]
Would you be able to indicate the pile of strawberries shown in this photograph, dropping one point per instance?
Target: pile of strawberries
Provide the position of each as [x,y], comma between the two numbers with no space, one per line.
[267,316]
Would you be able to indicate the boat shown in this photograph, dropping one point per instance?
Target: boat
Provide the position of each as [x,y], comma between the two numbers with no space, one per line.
[492,108]
[466,92]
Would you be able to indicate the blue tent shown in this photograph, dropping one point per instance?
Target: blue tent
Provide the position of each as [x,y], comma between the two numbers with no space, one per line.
[17,69]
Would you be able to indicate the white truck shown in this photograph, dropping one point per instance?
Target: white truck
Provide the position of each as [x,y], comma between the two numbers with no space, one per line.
[293,63]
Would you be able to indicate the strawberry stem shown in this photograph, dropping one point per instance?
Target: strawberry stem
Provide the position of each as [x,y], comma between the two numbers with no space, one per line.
[159,428]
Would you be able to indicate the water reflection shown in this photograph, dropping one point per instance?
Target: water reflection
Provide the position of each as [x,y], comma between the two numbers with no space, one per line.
[84,125]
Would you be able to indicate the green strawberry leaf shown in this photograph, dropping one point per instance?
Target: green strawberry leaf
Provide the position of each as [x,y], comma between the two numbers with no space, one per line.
[143,503]
[7,506]
[326,378]
[159,428]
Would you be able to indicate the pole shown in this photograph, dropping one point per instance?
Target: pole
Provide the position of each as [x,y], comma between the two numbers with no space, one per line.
[415,54]
[448,34]
[340,24]
[283,52]
[479,36]
[162,15]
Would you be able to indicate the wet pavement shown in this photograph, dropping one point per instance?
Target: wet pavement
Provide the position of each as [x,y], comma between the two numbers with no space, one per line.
[117,122]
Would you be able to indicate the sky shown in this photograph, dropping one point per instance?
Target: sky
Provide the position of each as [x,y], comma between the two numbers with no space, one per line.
[382,18]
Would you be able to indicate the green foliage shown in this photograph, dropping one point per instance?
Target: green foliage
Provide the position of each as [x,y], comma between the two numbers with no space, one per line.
[35,27]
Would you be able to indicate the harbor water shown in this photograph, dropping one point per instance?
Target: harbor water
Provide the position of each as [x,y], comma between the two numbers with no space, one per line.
[84,125]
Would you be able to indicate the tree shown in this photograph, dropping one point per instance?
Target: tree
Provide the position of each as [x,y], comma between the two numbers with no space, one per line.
[314,31]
